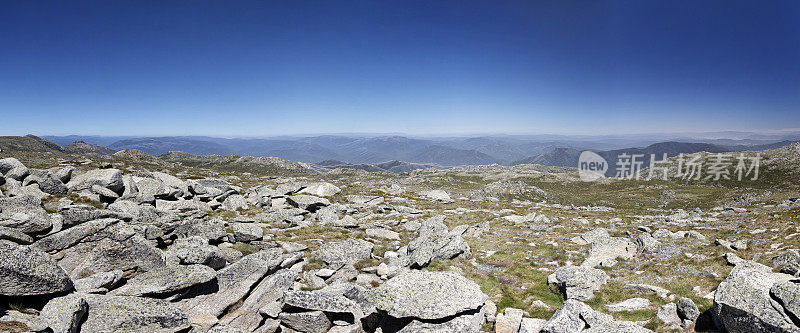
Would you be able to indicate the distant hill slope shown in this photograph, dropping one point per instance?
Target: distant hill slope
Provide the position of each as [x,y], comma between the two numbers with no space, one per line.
[506,150]
[556,157]
[90,139]
[568,157]
[29,143]
[263,165]
[390,166]
[353,150]
[450,156]
[760,147]
[156,146]
[138,155]
[80,147]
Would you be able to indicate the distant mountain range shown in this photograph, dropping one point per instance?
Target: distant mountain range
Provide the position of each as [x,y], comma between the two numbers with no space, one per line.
[391,166]
[372,153]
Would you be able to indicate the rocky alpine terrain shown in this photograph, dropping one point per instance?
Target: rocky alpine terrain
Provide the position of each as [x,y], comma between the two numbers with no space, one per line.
[129,242]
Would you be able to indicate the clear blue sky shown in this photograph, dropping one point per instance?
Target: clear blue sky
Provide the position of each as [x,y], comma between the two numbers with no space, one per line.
[419,67]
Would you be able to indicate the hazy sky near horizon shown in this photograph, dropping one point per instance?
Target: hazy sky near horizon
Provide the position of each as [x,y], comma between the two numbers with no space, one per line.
[266,68]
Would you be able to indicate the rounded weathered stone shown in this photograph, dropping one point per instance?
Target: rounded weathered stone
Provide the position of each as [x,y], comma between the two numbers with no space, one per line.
[321,189]
[9,163]
[787,293]
[25,271]
[247,232]
[108,178]
[577,282]
[322,301]
[742,302]
[166,280]
[64,314]
[427,295]
[348,251]
[132,314]
[687,309]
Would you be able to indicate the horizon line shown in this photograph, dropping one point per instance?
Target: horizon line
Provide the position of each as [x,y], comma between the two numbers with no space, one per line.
[782,131]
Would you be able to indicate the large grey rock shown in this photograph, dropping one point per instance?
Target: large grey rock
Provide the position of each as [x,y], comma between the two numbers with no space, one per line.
[76,214]
[605,251]
[321,189]
[247,232]
[48,182]
[9,163]
[133,209]
[269,291]
[64,174]
[210,230]
[232,284]
[291,247]
[166,280]
[787,293]
[108,178]
[437,195]
[184,208]
[308,322]
[119,246]
[131,190]
[345,222]
[687,310]
[15,236]
[433,227]
[648,289]
[307,202]
[66,238]
[365,200]
[108,314]
[14,321]
[382,233]
[99,282]
[354,328]
[574,316]
[222,328]
[18,173]
[631,304]
[344,252]
[217,186]
[531,325]
[468,322]
[270,326]
[647,243]
[25,271]
[577,282]
[30,190]
[64,314]
[354,292]
[425,248]
[668,314]
[322,301]
[788,262]
[177,187]
[742,302]
[509,321]
[24,214]
[591,236]
[234,202]
[326,216]
[618,327]
[196,250]
[151,187]
[103,192]
[427,295]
